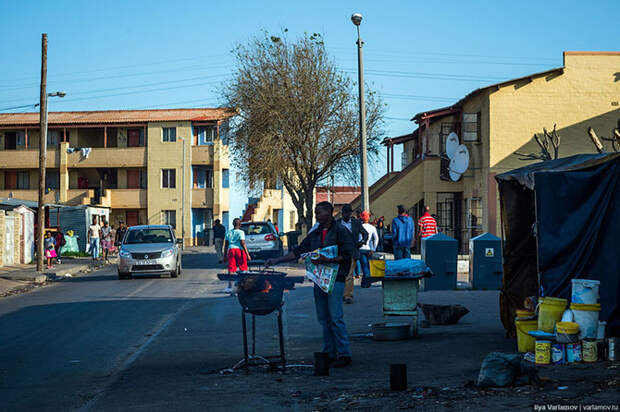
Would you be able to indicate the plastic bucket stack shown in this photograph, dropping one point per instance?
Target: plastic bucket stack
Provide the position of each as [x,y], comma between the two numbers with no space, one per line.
[585,291]
[586,315]
[550,311]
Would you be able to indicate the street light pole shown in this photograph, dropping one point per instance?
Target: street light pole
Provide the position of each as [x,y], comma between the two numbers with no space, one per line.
[357,20]
[183,196]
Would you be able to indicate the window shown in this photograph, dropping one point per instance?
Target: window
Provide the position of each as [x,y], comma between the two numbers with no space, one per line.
[224,132]
[205,135]
[202,177]
[136,236]
[225,178]
[23,179]
[168,178]
[53,137]
[471,127]
[446,129]
[13,140]
[169,217]
[51,179]
[169,134]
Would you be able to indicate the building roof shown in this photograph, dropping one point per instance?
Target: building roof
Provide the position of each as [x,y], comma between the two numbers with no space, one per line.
[119,116]
[341,194]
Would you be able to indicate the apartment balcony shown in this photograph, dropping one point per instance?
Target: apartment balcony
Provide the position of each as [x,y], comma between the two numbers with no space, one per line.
[126,198]
[30,194]
[27,158]
[202,198]
[202,155]
[77,197]
[109,157]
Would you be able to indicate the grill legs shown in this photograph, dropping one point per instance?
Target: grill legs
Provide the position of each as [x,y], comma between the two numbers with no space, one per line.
[250,359]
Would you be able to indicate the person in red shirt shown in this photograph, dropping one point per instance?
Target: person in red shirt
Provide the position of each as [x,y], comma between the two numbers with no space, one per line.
[427,224]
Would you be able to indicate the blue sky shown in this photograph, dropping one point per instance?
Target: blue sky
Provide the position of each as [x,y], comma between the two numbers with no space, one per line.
[165,54]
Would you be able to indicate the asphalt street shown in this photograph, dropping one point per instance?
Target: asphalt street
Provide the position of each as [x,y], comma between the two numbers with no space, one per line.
[96,343]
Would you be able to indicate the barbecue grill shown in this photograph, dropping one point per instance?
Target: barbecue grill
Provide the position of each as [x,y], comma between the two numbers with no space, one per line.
[260,292]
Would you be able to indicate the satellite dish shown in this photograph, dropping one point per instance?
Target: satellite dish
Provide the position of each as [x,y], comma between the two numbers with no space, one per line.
[460,161]
[452,142]
[454,176]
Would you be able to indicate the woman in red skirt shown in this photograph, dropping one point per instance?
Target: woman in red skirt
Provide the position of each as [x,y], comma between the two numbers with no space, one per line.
[236,251]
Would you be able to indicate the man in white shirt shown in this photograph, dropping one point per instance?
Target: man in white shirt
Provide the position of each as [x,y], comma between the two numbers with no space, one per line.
[367,248]
[94,234]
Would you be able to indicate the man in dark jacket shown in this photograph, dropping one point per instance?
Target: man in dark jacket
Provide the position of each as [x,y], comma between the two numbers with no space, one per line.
[219,233]
[402,234]
[359,236]
[328,306]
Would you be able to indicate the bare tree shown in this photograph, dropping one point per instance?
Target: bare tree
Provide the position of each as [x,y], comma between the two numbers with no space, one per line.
[614,139]
[298,118]
[545,142]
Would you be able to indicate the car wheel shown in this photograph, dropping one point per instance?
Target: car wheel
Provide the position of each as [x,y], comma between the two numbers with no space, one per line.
[124,275]
[176,272]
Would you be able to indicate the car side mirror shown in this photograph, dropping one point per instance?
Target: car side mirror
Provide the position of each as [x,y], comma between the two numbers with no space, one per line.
[179,241]
[281,234]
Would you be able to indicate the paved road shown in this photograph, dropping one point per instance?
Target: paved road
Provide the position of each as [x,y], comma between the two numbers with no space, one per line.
[97,343]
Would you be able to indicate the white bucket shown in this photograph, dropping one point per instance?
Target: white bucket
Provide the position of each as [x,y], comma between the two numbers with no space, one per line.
[585,291]
[587,320]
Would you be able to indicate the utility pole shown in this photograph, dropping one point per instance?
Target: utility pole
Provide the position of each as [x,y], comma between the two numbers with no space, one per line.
[357,20]
[183,196]
[42,152]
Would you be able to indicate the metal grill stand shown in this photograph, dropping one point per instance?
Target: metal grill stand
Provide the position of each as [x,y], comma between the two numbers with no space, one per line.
[252,359]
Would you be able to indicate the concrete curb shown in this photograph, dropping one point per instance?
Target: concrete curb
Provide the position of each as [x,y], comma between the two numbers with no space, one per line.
[29,277]
[51,275]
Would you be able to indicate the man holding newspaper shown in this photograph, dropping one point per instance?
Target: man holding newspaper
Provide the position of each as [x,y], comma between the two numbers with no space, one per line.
[328,251]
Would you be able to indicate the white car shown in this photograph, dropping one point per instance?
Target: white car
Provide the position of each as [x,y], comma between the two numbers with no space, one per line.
[149,249]
[262,240]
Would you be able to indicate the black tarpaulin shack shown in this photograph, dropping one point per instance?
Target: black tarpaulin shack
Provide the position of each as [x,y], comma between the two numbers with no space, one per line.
[561,221]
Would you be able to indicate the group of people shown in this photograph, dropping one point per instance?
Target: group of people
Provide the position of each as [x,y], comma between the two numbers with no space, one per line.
[356,240]
[104,237]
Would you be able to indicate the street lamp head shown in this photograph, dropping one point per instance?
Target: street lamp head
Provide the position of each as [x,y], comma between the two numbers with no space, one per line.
[356,18]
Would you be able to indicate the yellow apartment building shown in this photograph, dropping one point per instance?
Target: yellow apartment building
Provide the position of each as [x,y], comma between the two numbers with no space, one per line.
[139,163]
[494,122]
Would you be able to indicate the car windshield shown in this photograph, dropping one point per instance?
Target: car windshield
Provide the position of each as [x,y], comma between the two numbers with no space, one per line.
[257,229]
[160,235]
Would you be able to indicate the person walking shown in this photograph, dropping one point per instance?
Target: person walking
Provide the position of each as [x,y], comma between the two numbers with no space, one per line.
[359,236]
[427,224]
[50,248]
[380,231]
[106,240]
[328,306]
[120,234]
[94,235]
[236,251]
[367,248]
[402,234]
[219,233]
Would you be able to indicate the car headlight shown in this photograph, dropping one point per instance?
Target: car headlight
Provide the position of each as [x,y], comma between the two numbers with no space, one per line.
[167,253]
[124,254]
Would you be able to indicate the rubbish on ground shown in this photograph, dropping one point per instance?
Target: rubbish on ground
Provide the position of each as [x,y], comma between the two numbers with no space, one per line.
[506,369]
[562,388]
[443,314]
[529,357]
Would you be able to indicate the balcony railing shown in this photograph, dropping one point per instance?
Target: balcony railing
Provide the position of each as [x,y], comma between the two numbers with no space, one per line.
[30,194]
[109,157]
[202,198]
[202,155]
[27,159]
[127,198]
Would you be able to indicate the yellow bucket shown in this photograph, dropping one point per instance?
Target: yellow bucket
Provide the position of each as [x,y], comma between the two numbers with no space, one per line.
[550,311]
[525,342]
[591,307]
[377,268]
[568,328]
[525,313]
[543,352]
